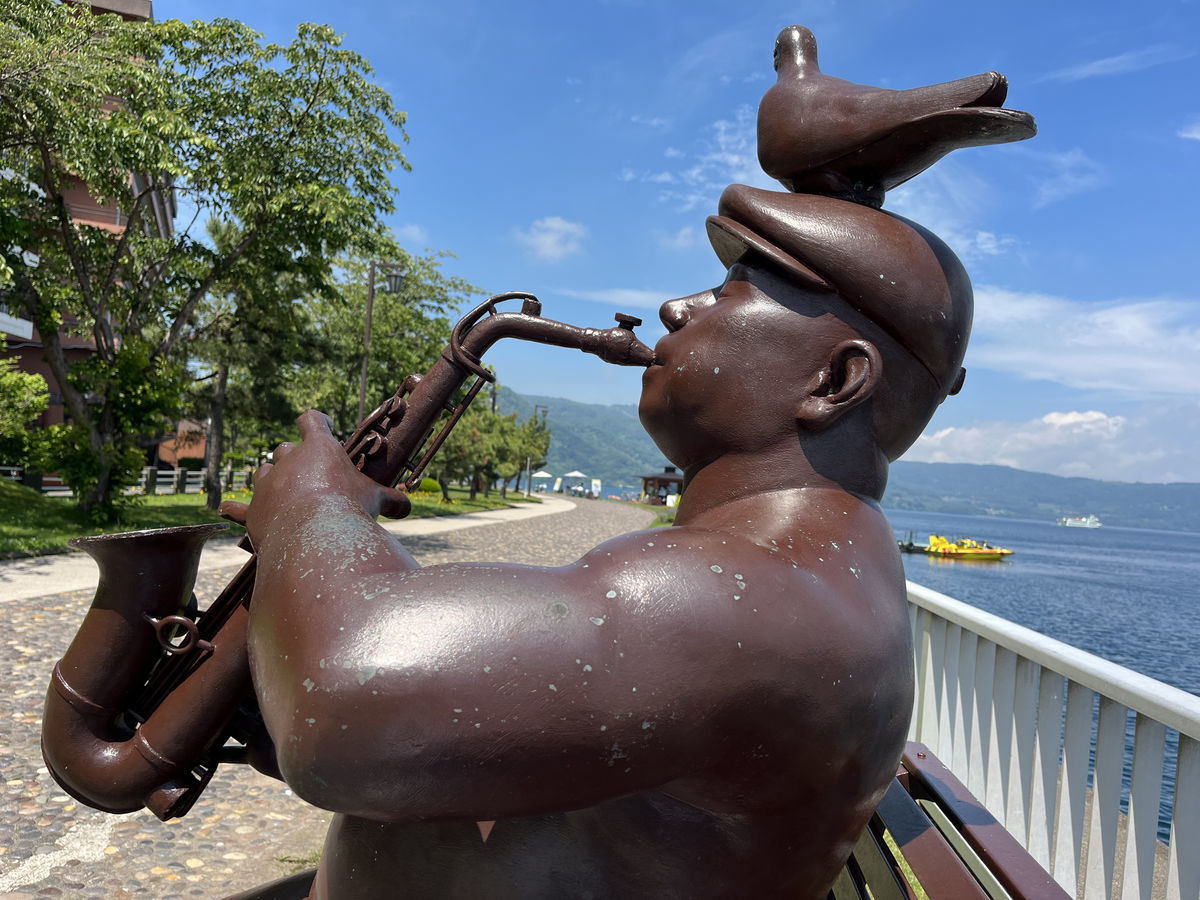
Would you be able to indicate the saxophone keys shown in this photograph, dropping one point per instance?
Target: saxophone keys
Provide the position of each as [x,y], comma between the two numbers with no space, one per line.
[372,444]
[178,642]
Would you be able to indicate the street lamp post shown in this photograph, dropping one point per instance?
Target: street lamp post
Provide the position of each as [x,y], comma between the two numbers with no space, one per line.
[528,461]
[395,279]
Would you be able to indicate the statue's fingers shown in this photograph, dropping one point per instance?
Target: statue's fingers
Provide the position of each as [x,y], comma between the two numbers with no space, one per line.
[233,511]
[260,473]
[315,423]
[394,504]
[283,449]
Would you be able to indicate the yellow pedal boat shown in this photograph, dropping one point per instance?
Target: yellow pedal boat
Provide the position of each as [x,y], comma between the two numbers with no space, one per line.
[964,548]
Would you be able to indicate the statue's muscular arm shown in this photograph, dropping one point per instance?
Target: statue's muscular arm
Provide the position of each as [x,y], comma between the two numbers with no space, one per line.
[399,693]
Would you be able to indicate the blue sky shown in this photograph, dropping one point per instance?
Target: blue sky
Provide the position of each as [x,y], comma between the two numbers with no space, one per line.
[574,150]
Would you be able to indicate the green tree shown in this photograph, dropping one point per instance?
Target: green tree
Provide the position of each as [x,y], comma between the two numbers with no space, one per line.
[291,143]
[251,334]
[467,449]
[23,398]
[486,446]
[533,445]
[409,329]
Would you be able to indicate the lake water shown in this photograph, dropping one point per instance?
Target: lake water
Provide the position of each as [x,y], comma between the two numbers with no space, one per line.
[1129,595]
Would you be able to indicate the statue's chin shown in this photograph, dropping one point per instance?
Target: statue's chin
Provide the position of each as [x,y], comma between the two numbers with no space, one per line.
[653,417]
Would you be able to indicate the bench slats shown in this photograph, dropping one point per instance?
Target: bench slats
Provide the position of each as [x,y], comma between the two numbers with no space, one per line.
[876,868]
[1002,854]
[933,861]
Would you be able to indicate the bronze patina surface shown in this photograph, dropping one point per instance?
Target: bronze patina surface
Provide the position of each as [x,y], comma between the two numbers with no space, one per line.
[709,710]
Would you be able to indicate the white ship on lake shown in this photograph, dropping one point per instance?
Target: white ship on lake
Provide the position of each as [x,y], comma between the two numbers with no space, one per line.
[1079,521]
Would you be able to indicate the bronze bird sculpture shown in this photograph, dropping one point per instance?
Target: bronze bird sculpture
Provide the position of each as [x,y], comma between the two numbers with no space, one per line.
[823,135]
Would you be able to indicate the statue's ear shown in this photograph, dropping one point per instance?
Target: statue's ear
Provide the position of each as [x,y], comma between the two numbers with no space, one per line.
[849,378]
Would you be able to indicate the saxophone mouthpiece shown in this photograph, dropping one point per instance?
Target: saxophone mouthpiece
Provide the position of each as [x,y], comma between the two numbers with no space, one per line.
[621,346]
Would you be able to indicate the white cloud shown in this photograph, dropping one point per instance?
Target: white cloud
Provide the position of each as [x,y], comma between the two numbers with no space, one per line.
[623,297]
[1073,172]
[1191,130]
[949,198]
[413,235]
[685,238]
[1132,347]
[1121,64]
[1156,444]
[651,121]
[553,238]
[727,152]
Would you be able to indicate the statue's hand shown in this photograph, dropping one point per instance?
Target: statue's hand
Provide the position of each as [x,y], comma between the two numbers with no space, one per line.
[318,465]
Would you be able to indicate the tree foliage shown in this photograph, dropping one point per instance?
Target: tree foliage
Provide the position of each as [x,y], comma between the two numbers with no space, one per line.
[22,399]
[487,446]
[250,335]
[409,329]
[290,143]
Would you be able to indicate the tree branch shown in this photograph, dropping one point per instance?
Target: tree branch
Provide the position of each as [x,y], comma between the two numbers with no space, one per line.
[110,279]
[101,330]
[52,349]
[217,272]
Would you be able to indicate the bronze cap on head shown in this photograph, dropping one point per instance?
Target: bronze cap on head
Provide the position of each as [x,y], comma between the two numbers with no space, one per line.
[899,275]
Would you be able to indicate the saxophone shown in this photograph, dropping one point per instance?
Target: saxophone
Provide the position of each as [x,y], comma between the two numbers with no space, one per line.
[152,695]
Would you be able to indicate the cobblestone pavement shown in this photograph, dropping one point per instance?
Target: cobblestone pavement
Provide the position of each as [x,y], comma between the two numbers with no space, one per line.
[246,829]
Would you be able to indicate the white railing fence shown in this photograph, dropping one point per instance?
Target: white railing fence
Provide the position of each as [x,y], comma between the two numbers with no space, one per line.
[1095,768]
[151,481]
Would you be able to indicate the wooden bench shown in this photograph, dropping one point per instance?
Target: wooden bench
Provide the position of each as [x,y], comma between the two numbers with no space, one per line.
[953,847]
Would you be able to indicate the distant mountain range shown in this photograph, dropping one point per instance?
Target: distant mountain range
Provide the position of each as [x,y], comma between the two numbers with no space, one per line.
[1013,493]
[607,442]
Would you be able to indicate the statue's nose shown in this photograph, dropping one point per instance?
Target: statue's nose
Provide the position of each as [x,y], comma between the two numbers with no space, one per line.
[676,313]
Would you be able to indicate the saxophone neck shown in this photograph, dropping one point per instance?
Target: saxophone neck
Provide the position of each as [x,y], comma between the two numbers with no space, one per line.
[617,345]
[389,441]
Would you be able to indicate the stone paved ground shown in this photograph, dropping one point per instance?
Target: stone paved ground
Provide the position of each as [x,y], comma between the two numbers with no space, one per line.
[246,829]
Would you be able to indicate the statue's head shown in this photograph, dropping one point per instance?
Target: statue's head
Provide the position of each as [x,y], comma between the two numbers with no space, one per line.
[893,282]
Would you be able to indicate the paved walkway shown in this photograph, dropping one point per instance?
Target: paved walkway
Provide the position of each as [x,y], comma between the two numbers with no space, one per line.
[246,829]
[22,579]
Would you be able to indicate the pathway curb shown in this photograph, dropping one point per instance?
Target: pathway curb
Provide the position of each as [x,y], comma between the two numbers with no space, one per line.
[23,579]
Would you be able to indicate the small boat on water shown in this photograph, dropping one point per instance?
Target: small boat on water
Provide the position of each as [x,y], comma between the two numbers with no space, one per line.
[1079,522]
[962,548]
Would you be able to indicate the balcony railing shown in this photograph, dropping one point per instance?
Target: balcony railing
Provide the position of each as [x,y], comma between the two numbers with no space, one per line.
[1093,767]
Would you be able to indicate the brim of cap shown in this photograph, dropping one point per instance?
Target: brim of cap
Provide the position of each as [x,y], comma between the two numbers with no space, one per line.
[732,241]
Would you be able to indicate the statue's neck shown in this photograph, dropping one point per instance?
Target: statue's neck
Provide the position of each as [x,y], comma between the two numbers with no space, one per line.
[734,477]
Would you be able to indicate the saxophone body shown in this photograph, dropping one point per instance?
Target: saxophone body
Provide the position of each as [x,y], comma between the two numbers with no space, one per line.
[151,696]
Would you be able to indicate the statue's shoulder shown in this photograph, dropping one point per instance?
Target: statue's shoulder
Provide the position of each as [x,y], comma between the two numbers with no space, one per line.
[725,578]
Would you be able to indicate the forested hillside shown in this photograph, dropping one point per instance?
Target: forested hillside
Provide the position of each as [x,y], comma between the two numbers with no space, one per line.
[605,442]
[608,442]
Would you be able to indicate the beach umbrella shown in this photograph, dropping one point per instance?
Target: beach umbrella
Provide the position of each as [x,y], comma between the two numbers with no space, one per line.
[575,474]
[542,474]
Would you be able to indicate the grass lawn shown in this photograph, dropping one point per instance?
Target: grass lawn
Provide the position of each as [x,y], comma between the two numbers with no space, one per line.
[663,515]
[31,523]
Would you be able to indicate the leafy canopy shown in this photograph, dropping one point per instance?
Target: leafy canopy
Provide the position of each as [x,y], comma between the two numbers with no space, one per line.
[291,143]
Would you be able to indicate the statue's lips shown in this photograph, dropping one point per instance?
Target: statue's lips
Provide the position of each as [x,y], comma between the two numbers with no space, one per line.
[657,359]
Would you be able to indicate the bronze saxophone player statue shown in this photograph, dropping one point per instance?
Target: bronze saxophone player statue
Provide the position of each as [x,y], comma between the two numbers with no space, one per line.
[710,710]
